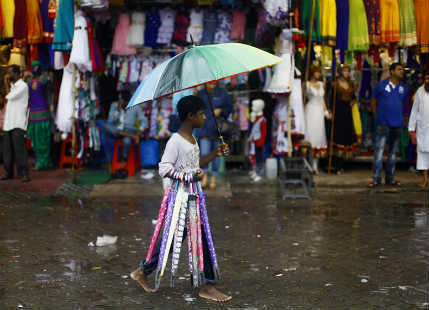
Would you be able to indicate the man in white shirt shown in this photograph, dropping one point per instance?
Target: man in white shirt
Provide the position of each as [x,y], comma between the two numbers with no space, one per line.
[15,125]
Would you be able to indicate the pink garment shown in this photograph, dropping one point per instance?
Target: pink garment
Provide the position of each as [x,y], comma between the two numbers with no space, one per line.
[120,46]
[238,25]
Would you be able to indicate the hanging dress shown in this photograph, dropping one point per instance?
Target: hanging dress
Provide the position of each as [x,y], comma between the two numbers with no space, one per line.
[224,25]
[389,21]
[373,15]
[358,27]
[422,21]
[166,30]
[345,140]
[297,106]
[307,6]
[181,26]
[328,22]
[408,23]
[136,33]
[238,25]
[343,24]
[210,24]
[196,27]
[64,26]
[34,20]
[20,25]
[66,100]
[47,22]
[80,48]
[153,22]
[120,46]
[281,81]
[39,123]
[8,16]
[315,120]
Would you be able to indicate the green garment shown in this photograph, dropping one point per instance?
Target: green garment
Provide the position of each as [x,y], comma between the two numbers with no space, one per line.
[306,19]
[40,134]
[358,27]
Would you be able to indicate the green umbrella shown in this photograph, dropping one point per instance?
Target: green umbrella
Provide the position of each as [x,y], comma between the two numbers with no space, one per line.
[198,66]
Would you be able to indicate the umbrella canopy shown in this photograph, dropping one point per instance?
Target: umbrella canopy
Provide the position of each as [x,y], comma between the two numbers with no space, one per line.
[198,66]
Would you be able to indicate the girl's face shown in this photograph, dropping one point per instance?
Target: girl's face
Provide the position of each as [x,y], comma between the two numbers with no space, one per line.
[198,119]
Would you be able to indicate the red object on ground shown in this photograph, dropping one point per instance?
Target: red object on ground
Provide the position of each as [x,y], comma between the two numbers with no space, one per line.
[133,161]
[66,159]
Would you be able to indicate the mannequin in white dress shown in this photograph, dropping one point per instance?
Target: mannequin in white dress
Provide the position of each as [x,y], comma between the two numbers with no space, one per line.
[315,112]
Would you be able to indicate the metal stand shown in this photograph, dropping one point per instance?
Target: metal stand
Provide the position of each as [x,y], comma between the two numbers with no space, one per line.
[296,180]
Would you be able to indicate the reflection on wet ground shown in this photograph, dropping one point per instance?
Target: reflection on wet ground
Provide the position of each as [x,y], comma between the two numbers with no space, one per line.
[339,251]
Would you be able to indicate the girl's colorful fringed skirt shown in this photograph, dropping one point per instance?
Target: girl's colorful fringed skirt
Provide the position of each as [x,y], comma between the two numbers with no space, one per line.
[183,205]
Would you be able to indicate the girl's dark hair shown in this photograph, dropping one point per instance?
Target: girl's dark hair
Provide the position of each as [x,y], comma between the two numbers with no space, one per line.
[189,104]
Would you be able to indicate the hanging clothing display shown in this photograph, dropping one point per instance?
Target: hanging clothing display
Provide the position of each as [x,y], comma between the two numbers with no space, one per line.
[34,20]
[422,21]
[276,7]
[64,26]
[358,27]
[343,12]
[328,22]
[196,26]
[120,46]
[407,23]
[66,100]
[223,29]
[181,26]
[166,30]
[389,21]
[47,22]
[153,22]
[238,25]
[281,81]
[80,48]
[307,6]
[95,54]
[20,25]
[373,15]
[315,132]
[8,16]
[136,33]
[297,106]
[210,24]
[280,119]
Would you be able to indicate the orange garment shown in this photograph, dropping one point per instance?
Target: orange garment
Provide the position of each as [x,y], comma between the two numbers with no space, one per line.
[390,28]
[34,20]
[422,21]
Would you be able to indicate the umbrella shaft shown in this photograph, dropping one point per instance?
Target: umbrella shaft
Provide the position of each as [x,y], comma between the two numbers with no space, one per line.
[213,113]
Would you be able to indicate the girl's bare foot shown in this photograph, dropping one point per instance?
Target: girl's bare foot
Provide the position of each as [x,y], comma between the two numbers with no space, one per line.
[141,278]
[209,292]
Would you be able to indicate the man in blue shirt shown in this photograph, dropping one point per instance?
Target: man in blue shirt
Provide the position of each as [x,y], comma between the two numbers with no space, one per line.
[387,100]
[122,123]
[208,135]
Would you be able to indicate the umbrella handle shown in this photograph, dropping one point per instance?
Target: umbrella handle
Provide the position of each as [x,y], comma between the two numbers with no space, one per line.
[214,116]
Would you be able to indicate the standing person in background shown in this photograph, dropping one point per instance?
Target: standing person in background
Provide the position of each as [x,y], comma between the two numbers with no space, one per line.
[15,125]
[387,100]
[39,127]
[418,128]
[208,135]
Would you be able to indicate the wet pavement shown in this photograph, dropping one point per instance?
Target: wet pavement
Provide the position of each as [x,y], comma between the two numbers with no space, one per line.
[348,248]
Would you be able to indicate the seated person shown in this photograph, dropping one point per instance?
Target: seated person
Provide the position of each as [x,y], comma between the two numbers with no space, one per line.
[122,123]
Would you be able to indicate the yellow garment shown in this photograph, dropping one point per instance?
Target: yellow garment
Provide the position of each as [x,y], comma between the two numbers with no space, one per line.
[34,20]
[328,21]
[390,28]
[357,123]
[8,12]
